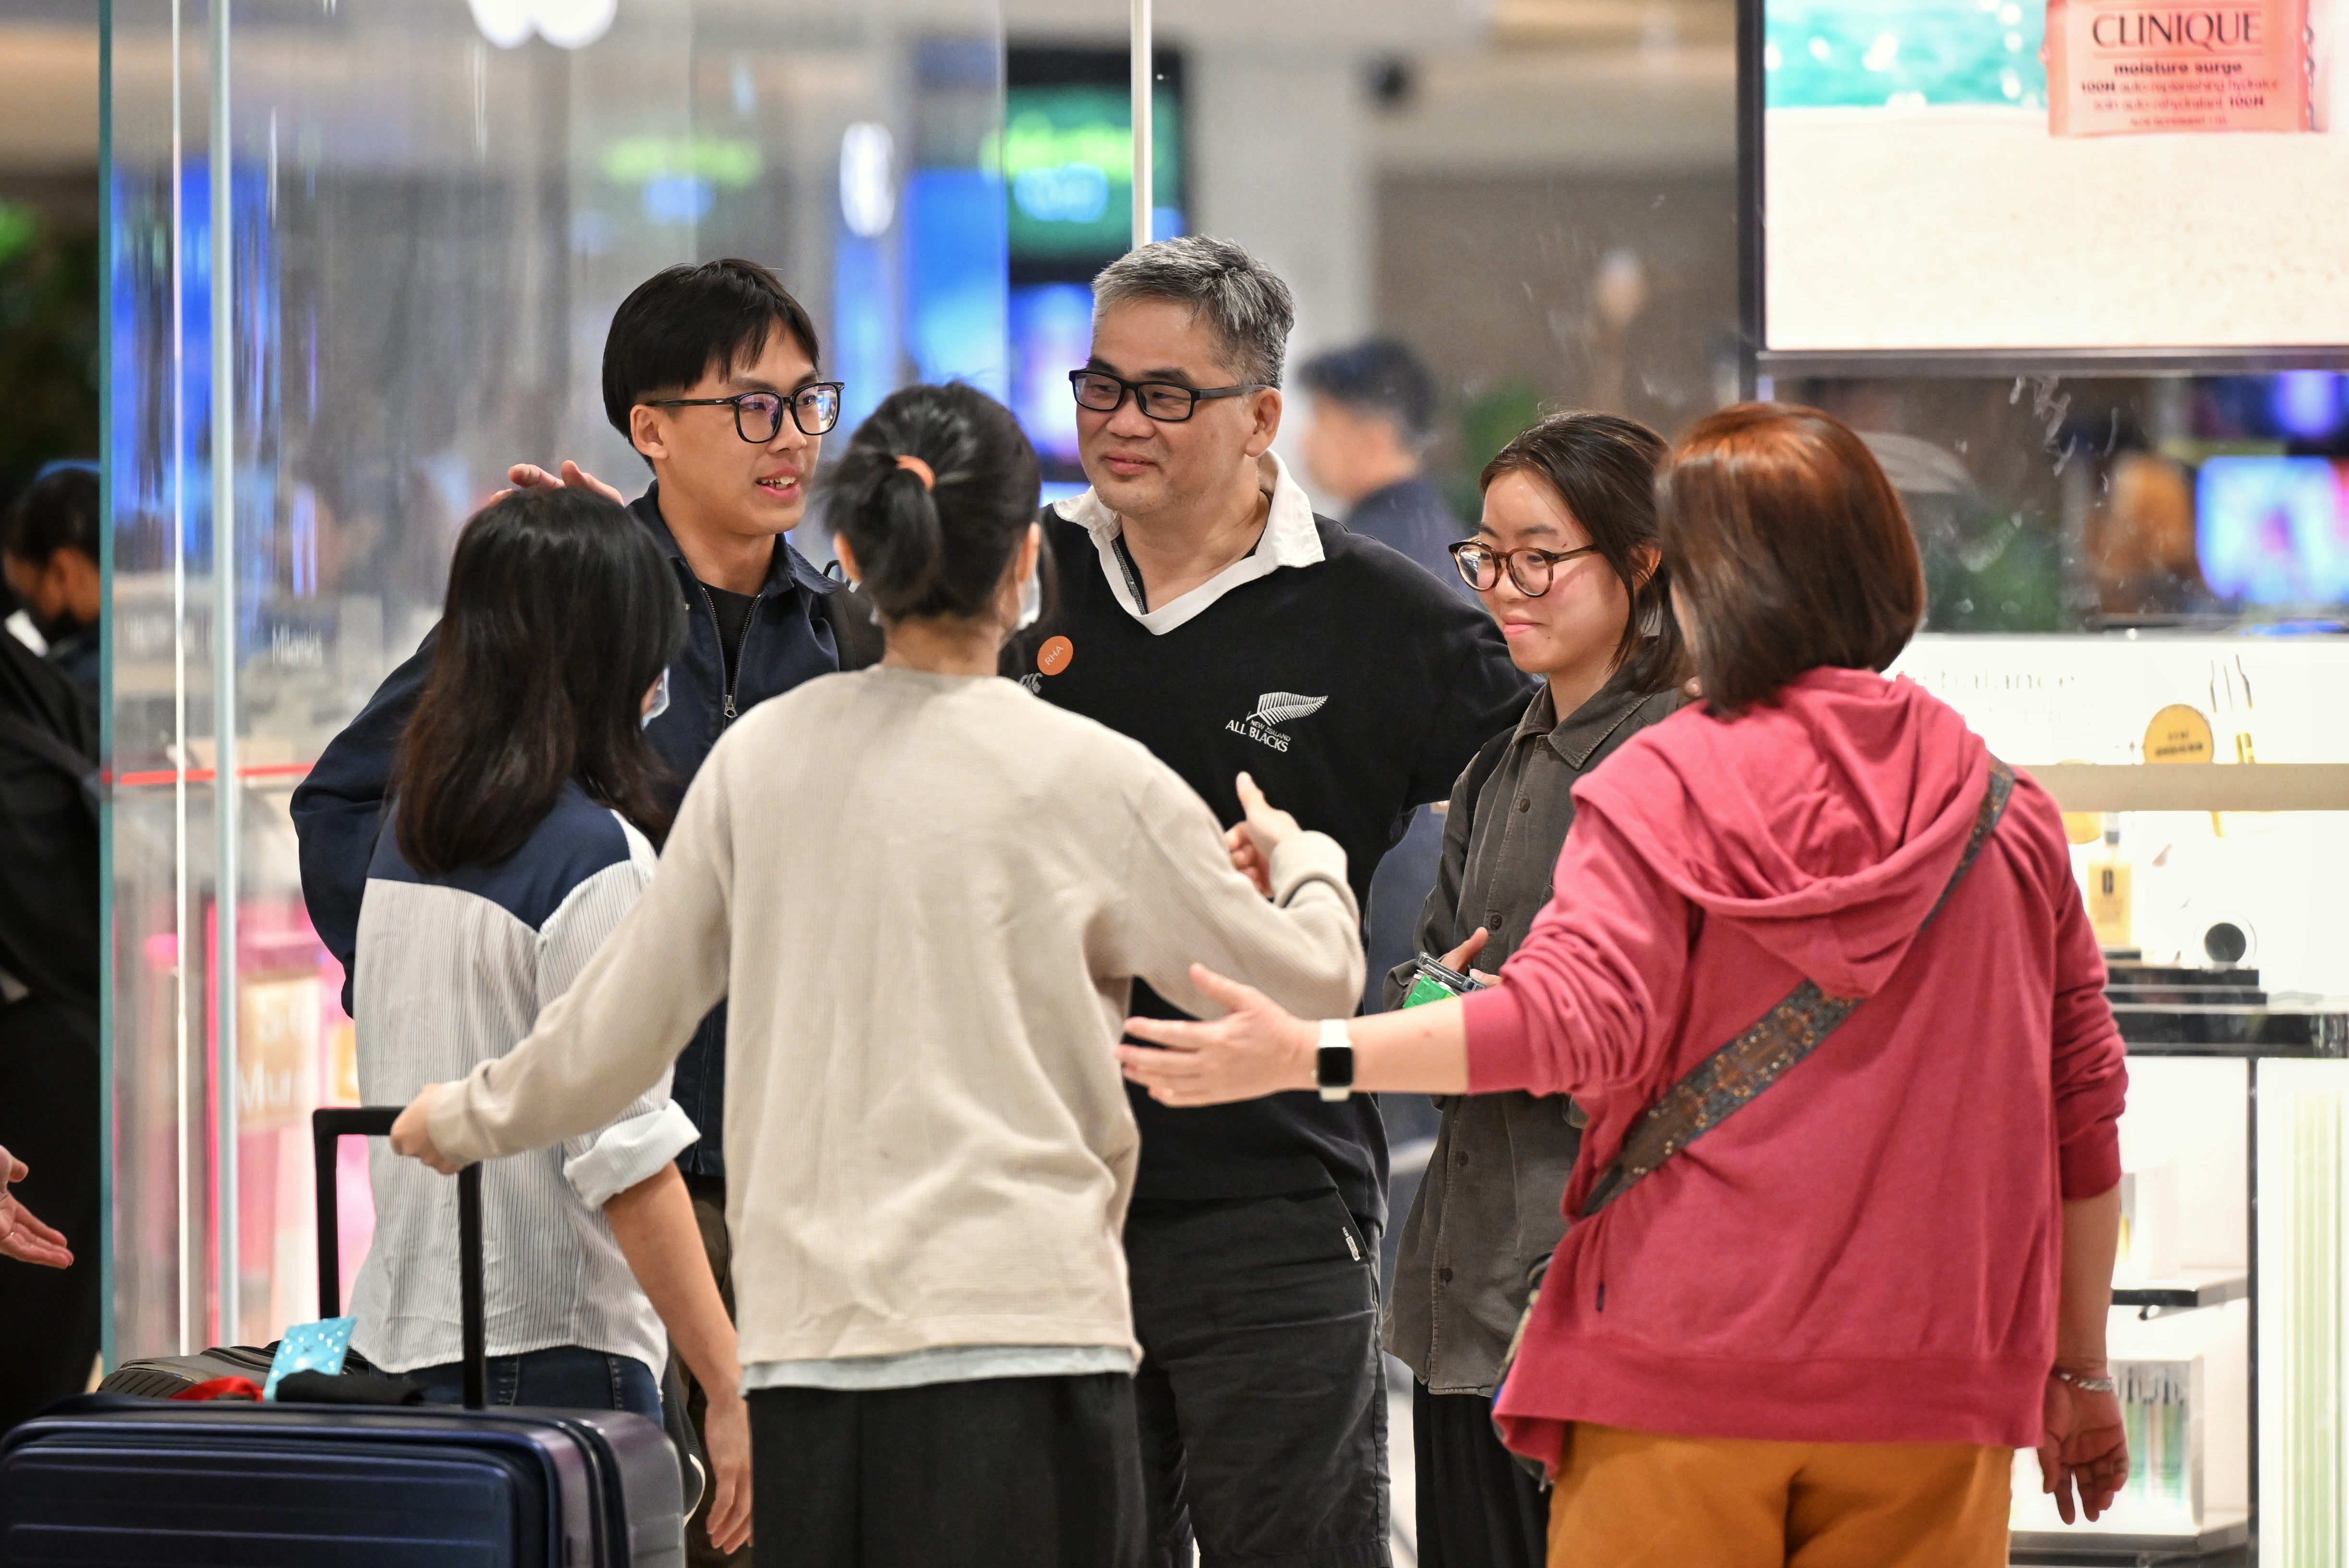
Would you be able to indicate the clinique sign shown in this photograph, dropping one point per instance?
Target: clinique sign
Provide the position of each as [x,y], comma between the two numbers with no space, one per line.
[2117,68]
[2207,30]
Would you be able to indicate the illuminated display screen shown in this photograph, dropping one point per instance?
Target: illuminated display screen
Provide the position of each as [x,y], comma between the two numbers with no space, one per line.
[2274,530]
[1066,155]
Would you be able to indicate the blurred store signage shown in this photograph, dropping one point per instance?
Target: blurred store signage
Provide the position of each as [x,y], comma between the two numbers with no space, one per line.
[566,24]
[868,178]
[678,176]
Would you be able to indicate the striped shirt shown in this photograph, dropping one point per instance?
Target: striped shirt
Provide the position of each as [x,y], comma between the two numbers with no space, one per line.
[453,971]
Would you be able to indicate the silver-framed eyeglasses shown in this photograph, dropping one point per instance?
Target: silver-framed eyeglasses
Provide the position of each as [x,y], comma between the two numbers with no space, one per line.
[759,415]
[1530,569]
[1168,402]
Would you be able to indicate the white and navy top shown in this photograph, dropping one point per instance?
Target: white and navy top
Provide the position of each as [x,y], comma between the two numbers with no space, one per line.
[452,971]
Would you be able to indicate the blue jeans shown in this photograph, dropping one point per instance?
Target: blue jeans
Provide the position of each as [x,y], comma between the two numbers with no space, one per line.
[563,1377]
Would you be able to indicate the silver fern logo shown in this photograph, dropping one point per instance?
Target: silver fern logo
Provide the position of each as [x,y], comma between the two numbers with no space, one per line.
[1273,709]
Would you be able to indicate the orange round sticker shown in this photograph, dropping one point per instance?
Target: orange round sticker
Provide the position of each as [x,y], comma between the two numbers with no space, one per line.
[1054,656]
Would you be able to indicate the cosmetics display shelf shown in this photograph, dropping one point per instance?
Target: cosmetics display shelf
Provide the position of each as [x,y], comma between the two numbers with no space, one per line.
[2223,1531]
[2185,1291]
[2173,1010]
[2319,1030]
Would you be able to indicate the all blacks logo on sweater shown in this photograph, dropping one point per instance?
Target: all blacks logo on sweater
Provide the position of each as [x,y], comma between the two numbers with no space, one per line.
[1273,709]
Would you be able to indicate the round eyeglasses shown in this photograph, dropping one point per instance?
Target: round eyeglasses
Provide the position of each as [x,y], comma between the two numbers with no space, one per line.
[759,415]
[1167,402]
[1531,569]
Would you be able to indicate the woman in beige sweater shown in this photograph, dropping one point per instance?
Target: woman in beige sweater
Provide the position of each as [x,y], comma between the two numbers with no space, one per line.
[925,894]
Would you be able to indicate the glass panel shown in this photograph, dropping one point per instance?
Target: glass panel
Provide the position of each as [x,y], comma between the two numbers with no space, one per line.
[434,210]
[2048,503]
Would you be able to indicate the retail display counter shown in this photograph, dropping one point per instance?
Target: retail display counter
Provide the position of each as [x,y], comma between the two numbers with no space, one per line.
[2211,881]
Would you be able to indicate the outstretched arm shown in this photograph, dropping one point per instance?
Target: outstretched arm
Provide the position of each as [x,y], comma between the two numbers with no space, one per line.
[1257,1048]
[22,1236]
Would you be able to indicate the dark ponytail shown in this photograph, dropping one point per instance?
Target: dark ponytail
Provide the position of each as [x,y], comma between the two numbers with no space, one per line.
[939,548]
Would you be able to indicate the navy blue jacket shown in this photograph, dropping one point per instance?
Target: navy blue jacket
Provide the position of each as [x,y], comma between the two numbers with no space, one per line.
[1412,515]
[803,627]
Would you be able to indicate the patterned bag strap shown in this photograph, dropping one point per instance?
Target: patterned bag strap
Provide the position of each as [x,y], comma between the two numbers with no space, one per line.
[1728,1080]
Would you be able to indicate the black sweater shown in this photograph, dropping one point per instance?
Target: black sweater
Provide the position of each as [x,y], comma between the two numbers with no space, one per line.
[1353,690]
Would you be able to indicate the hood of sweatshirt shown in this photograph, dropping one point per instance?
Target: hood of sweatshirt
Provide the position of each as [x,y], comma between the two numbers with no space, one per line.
[1826,825]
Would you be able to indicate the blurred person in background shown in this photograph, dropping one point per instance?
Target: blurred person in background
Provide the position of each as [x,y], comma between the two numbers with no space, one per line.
[50,1102]
[50,552]
[1371,415]
[1205,611]
[713,374]
[1817,1336]
[932,1149]
[2144,556]
[520,832]
[1567,561]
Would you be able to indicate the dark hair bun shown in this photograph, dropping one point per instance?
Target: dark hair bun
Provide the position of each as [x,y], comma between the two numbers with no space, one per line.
[941,548]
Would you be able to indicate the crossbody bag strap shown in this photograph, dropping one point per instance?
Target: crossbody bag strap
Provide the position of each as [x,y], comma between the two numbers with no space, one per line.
[1730,1078]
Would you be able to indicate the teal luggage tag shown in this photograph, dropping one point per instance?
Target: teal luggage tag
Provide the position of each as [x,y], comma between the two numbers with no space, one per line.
[317,1347]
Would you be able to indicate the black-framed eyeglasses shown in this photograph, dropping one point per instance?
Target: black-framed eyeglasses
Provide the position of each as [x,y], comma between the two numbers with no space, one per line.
[1531,569]
[759,415]
[1165,401]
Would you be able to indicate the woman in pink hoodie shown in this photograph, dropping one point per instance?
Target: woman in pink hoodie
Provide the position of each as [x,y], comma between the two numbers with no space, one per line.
[1801,1322]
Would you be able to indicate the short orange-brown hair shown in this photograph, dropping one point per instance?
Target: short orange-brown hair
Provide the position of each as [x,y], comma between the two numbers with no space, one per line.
[1790,548]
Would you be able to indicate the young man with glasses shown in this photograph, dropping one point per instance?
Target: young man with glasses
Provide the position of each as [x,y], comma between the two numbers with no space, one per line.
[712,371]
[1205,611]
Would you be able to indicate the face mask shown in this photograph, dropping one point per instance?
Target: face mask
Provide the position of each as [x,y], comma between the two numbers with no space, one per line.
[660,700]
[1031,599]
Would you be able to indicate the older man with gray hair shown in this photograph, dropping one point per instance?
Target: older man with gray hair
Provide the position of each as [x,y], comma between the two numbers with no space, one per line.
[1204,610]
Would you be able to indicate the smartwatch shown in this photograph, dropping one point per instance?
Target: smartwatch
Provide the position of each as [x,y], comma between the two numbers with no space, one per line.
[1333,1062]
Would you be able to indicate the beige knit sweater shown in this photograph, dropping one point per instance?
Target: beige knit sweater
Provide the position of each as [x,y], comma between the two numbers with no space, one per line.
[926,896]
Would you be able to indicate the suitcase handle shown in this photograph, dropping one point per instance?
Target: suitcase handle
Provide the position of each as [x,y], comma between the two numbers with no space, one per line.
[328,1129]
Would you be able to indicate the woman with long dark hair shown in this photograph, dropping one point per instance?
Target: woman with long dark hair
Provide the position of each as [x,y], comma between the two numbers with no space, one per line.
[1817,969]
[1567,560]
[926,895]
[524,810]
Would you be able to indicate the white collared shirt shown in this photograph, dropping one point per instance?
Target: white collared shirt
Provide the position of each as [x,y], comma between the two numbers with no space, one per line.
[1290,539]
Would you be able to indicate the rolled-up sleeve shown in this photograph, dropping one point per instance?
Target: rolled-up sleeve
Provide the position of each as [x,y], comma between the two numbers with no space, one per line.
[602,1165]
[2088,1062]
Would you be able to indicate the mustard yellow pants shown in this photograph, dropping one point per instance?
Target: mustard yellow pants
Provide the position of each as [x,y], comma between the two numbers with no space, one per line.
[1639,1500]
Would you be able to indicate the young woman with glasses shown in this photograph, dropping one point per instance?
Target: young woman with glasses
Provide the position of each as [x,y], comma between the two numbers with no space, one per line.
[1565,561]
[928,895]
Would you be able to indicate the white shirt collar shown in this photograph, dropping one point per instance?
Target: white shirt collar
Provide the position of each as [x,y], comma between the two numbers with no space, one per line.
[1290,539]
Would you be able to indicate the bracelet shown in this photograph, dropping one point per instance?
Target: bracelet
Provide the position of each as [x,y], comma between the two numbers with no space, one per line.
[2104,1385]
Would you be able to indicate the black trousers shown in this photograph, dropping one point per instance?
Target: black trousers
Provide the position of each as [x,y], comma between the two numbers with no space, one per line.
[1000,1472]
[1478,1508]
[50,1108]
[1261,1395]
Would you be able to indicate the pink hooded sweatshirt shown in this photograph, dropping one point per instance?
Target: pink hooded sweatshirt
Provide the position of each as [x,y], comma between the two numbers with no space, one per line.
[1869,1251]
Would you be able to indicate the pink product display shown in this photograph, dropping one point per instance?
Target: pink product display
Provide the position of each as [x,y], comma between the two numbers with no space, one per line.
[2129,67]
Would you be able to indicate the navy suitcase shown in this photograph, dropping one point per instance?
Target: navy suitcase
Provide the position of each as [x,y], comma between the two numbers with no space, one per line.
[109,1479]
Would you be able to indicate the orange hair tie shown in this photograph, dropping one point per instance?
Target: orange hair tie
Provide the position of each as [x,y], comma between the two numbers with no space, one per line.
[919,470]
